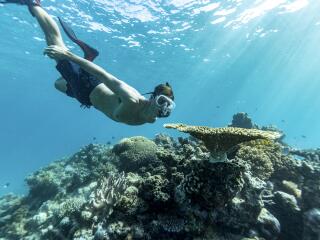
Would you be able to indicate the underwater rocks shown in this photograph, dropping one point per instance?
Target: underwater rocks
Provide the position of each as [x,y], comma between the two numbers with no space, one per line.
[311,224]
[171,189]
[268,224]
[242,120]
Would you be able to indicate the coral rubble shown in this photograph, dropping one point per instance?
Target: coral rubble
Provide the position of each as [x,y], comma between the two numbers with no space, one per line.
[172,189]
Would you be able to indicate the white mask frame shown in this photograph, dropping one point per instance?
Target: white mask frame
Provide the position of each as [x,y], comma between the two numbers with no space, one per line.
[166,107]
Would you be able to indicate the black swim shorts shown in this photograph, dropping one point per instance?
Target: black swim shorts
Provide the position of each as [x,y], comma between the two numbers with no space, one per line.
[79,82]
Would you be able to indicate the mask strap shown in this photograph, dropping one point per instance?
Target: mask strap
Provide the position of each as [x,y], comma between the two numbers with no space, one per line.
[148,93]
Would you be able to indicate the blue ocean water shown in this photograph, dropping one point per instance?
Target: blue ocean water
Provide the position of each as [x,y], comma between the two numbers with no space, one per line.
[221,57]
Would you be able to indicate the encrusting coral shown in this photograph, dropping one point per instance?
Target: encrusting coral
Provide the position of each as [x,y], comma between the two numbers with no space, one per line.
[172,189]
[213,185]
[262,157]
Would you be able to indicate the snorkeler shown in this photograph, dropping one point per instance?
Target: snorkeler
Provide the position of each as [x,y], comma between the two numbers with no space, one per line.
[90,84]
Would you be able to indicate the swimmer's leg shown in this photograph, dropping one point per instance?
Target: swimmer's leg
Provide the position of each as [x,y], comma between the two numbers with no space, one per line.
[51,30]
[29,3]
[46,22]
[48,26]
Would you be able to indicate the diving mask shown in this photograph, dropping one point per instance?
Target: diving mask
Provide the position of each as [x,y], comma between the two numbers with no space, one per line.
[165,104]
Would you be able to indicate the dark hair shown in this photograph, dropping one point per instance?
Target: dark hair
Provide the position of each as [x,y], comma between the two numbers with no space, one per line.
[163,89]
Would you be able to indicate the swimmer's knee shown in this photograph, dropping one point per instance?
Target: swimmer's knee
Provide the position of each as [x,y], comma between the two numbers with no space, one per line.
[57,85]
[61,85]
[55,39]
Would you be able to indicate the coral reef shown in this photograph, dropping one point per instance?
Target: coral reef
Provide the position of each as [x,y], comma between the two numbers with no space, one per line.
[307,154]
[173,189]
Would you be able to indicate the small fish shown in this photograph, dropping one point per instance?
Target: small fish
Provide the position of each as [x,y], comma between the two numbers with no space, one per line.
[285,150]
[283,121]
[109,143]
[303,136]
[6,185]
[113,137]
[94,138]
[218,106]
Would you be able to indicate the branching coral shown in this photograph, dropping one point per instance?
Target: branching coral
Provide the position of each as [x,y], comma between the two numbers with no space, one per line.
[107,194]
[70,207]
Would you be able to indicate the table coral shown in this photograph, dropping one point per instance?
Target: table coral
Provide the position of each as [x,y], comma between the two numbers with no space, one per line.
[223,139]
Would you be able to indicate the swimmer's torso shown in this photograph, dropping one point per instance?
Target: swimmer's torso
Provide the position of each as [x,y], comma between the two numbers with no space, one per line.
[103,99]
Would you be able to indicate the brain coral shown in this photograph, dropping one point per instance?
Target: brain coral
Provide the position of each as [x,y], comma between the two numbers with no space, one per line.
[135,152]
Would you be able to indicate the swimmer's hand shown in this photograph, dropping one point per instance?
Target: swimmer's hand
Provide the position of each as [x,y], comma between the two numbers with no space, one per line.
[56,52]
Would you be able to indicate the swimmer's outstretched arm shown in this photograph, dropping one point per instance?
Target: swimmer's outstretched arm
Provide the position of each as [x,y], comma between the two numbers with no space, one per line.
[126,92]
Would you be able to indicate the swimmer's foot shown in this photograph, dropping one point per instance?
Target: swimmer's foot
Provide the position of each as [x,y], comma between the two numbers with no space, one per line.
[23,2]
[90,53]
[29,3]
